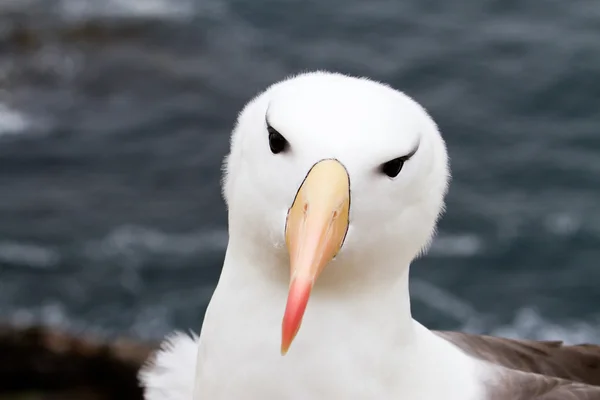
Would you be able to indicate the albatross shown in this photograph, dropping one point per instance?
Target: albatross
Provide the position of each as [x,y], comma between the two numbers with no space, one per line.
[334,185]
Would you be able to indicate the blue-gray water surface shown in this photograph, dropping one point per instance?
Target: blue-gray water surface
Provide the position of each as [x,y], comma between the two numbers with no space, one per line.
[115,116]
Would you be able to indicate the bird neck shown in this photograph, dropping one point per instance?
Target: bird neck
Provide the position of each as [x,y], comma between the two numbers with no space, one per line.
[353,290]
[351,329]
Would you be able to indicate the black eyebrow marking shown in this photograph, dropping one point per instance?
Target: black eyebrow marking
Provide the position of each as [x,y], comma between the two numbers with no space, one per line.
[411,153]
[267,114]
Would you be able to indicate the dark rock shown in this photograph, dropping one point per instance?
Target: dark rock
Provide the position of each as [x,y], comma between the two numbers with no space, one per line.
[41,363]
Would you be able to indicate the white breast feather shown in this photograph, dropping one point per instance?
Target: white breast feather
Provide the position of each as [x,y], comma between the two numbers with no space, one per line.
[169,374]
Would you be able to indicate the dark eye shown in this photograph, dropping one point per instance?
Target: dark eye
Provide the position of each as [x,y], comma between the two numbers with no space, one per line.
[393,167]
[277,142]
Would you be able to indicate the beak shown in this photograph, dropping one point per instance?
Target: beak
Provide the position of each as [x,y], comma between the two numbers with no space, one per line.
[315,230]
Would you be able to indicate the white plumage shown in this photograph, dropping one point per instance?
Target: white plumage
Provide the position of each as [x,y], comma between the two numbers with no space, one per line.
[169,374]
[358,339]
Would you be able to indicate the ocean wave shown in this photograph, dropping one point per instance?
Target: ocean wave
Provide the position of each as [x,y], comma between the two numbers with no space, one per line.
[563,224]
[170,9]
[139,241]
[12,121]
[123,247]
[527,322]
[51,314]
[54,315]
[448,305]
[462,245]
[30,255]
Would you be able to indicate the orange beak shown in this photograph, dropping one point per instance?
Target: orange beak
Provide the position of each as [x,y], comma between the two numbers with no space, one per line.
[315,230]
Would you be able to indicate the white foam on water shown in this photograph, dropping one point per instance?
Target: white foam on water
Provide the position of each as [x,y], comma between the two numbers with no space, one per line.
[49,314]
[563,224]
[150,321]
[30,255]
[527,322]
[461,245]
[447,304]
[52,315]
[442,301]
[12,121]
[141,242]
[127,8]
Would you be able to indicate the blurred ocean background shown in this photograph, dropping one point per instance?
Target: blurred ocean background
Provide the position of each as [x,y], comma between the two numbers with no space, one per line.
[115,116]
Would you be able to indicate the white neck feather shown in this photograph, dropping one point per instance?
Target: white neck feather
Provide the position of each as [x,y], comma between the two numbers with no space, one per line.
[357,340]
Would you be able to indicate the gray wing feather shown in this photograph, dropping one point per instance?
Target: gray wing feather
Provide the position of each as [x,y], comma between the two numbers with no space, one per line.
[535,370]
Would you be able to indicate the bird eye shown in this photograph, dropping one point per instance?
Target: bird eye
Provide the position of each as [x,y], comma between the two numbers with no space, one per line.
[393,167]
[277,142]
